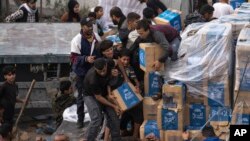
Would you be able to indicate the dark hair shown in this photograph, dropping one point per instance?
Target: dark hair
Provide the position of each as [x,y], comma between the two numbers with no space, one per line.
[143,24]
[105,44]
[100,63]
[97,8]
[65,85]
[208,131]
[200,3]
[124,52]
[133,16]
[148,13]
[92,14]
[9,69]
[206,9]
[116,11]
[31,1]
[72,14]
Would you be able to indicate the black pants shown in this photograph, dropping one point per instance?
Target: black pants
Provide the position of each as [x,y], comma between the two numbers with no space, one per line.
[79,100]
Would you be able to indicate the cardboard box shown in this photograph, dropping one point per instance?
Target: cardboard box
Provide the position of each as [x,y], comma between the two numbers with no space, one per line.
[172,17]
[218,92]
[126,97]
[197,115]
[150,108]
[149,128]
[148,54]
[152,83]
[172,135]
[236,3]
[169,119]
[242,61]
[220,116]
[241,114]
[174,95]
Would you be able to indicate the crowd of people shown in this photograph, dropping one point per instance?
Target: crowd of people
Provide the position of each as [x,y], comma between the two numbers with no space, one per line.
[102,66]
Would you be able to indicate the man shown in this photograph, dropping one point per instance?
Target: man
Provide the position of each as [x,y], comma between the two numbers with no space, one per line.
[222,8]
[156,5]
[95,98]
[26,13]
[148,13]
[207,12]
[83,54]
[147,35]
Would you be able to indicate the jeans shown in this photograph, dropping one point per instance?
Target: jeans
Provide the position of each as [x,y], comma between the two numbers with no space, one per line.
[95,110]
[79,100]
[175,47]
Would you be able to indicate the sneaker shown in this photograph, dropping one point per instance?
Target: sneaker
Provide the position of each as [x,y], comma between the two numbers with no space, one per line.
[80,125]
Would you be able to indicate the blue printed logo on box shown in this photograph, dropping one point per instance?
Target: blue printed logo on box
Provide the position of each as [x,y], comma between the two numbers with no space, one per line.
[169,120]
[197,115]
[243,119]
[173,18]
[245,84]
[142,57]
[236,3]
[220,113]
[151,128]
[216,94]
[128,96]
[154,83]
[114,38]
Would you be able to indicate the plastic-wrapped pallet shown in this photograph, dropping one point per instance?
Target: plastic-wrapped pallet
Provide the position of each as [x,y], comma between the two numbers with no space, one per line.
[241,114]
[243,9]
[242,68]
[205,55]
[237,21]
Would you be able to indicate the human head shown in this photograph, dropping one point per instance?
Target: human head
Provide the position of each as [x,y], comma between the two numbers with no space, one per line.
[66,87]
[100,66]
[61,137]
[141,1]
[124,57]
[87,26]
[143,28]
[9,73]
[208,131]
[116,15]
[132,19]
[32,4]
[148,13]
[98,11]
[92,16]
[106,48]
[207,12]
[73,6]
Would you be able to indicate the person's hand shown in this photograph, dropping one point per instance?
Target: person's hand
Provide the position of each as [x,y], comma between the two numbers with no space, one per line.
[114,72]
[185,135]
[157,65]
[91,59]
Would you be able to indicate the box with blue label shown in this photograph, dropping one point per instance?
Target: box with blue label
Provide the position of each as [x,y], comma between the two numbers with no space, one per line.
[150,108]
[218,93]
[241,114]
[242,67]
[126,97]
[197,115]
[114,38]
[148,54]
[174,95]
[236,3]
[172,17]
[169,119]
[220,115]
[152,83]
[150,128]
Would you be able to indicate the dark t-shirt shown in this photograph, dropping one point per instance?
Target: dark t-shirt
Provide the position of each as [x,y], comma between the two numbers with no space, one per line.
[96,84]
[8,94]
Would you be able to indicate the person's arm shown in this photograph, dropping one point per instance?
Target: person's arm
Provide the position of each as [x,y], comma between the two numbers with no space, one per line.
[14,16]
[64,17]
[162,41]
[104,101]
[121,68]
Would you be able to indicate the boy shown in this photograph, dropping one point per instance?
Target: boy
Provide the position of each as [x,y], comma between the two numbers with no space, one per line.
[26,13]
[8,99]
[63,100]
